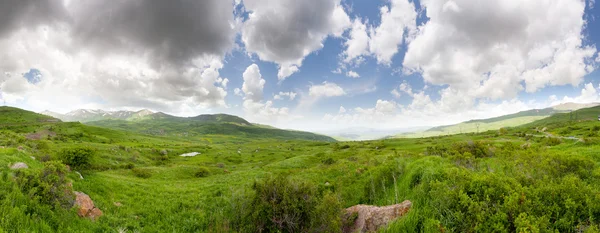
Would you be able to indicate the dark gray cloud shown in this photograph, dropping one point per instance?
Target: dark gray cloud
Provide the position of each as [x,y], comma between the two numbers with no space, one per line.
[173,31]
[16,14]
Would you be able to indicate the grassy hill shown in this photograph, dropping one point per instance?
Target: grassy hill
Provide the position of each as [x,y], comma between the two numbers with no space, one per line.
[10,115]
[220,124]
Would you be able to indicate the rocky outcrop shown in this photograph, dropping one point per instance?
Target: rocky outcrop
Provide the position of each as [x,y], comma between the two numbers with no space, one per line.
[86,207]
[19,165]
[366,218]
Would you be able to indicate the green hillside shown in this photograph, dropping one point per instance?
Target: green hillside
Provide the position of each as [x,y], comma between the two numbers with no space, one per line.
[10,115]
[202,125]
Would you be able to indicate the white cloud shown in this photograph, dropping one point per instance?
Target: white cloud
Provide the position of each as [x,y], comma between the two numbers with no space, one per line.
[291,95]
[396,93]
[254,107]
[487,51]
[72,77]
[326,89]
[589,94]
[404,87]
[286,31]
[342,110]
[386,38]
[352,74]
[382,41]
[238,92]
[253,83]
[358,43]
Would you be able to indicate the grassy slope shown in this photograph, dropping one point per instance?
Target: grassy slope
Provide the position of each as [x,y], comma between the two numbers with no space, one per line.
[10,115]
[173,200]
[194,127]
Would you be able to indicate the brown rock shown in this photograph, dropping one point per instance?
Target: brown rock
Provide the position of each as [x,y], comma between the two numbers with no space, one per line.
[86,206]
[372,218]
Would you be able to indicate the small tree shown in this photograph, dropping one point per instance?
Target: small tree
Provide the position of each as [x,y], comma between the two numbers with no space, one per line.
[77,158]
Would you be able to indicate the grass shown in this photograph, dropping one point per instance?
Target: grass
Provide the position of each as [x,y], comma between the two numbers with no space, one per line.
[466,182]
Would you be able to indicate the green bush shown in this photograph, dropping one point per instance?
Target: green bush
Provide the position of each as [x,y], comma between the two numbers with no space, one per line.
[77,158]
[142,172]
[328,161]
[49,185]
[202,172]
[284,205]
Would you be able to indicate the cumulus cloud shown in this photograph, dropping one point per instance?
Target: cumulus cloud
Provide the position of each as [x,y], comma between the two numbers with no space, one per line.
[397,24]
[161,56]
[352,74]
[489,50]
[326,89]
[290,95]
[589,94]
[286,31]
[255,108]
[386,38]
[253,83]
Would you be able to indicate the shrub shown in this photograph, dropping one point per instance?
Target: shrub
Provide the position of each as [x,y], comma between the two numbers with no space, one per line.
[49,185]
[202,172]
[328,161]
[142,172]
[77,158]
[284,205]
[129,166]
[552,141]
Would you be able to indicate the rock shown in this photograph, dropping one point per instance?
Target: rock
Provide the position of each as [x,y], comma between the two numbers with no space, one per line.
[192,154]
[80,176]
[19,165]
[117,204]
[366,218]
[86,207]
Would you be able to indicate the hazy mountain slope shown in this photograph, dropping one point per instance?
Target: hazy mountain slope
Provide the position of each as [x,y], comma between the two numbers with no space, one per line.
[86,115]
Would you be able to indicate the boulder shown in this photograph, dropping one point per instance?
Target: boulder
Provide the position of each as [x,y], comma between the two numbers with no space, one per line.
[366,218]
[19,165]
[86,207]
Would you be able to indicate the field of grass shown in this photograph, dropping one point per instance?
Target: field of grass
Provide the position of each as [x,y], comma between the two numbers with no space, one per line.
[513,180]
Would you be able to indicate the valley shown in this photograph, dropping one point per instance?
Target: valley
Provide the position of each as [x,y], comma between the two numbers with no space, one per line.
[517,176]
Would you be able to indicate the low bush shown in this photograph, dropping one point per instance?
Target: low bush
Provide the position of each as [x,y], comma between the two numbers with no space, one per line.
[142,172]
[77,158]
[202,172]
[49,185]
[281,204]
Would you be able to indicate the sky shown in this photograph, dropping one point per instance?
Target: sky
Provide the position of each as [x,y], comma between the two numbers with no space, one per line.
[309,65]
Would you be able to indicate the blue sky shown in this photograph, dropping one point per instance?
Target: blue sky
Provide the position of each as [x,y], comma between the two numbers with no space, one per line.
[455,60]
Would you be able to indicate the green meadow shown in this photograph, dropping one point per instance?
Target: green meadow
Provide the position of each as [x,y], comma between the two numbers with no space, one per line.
[540,177]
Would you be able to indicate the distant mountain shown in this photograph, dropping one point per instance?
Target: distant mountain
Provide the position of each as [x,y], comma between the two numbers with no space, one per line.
[87,115]
[147,122]
[494,123]
[364,133]
[573,106]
